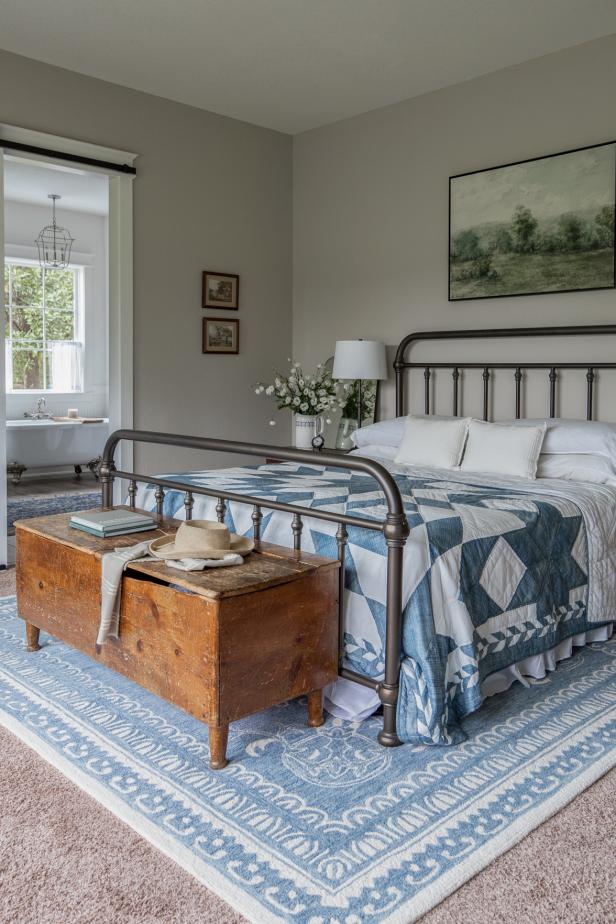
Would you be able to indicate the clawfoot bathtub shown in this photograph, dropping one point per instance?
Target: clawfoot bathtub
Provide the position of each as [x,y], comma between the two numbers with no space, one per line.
[45,444]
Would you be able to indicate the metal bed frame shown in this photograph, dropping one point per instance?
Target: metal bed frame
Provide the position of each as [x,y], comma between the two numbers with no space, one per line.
[394,526]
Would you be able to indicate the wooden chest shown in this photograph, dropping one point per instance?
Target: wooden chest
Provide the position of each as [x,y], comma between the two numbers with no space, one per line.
[242,639]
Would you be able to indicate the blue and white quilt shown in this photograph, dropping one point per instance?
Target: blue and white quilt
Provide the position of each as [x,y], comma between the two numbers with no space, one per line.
[495,571]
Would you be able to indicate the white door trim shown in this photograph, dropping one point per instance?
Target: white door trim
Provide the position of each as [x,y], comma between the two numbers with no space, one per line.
[3,518]
[120,245]
[63,146]
[120,355]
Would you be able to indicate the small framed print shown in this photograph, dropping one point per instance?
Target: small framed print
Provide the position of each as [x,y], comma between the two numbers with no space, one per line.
[221,290]
[221,335]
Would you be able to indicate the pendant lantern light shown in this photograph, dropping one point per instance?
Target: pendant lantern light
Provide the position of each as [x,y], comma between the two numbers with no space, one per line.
[54,242]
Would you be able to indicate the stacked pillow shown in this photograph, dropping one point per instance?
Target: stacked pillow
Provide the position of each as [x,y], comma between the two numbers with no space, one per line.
[502,449]
[433,442]
[575,450]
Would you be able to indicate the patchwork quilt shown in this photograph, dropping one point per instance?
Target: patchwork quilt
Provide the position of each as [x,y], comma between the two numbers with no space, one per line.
[494,571]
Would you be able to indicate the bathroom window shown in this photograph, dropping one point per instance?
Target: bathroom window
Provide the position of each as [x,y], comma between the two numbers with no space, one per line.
[44,322]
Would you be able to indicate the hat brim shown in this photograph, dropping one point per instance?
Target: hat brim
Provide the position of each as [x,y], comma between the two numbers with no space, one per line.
[164,547]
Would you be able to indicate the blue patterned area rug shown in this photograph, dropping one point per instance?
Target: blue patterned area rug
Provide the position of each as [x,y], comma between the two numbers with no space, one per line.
[315,826]
[42,505]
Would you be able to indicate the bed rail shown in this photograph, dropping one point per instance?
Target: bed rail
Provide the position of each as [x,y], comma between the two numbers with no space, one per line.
[394,528]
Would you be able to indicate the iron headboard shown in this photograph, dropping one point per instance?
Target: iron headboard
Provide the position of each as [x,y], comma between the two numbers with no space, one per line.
[402,364]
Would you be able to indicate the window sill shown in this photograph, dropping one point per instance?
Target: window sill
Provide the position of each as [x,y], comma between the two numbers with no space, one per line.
[31,392]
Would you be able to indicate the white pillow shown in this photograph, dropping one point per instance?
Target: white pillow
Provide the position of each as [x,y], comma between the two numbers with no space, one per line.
[577,466]
[433,442]
[376,452]
[502,449]
[383,433]
[388,432]
[574,436]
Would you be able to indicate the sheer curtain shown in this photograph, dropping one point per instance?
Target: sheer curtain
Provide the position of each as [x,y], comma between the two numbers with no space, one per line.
[66,366]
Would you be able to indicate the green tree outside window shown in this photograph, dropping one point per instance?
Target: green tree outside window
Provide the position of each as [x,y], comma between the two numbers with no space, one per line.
[40,306]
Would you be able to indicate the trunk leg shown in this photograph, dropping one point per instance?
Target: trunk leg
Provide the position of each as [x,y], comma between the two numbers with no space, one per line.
[218,746]
[32,637]
[315,708]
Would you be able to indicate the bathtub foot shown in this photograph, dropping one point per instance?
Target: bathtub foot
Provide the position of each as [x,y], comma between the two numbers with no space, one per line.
[15,470]
[94,465]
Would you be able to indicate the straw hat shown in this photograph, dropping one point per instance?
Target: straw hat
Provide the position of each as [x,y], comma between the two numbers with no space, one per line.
[200,539]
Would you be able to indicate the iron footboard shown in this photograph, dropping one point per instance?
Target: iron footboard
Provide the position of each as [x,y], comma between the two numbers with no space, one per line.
[394,528]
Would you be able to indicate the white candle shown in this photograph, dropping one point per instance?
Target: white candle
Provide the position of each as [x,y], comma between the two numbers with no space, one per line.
[72,412]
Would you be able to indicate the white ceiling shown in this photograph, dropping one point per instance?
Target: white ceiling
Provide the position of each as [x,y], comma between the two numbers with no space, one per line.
[295,64]
[81,190]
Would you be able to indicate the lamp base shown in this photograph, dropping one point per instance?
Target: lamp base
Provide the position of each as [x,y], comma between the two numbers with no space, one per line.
[344,437]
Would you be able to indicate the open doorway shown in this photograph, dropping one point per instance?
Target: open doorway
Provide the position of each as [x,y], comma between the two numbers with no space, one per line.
[56,338]
[71,352]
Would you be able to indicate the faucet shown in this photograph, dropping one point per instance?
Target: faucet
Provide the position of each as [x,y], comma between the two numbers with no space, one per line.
[41,412]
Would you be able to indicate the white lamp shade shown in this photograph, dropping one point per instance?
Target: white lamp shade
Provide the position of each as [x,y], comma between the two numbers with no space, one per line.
[359,359]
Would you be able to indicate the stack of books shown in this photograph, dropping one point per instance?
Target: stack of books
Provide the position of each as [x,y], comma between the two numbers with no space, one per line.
[108,523]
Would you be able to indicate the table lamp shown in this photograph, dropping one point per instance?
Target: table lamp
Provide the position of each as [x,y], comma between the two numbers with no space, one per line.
[359,360]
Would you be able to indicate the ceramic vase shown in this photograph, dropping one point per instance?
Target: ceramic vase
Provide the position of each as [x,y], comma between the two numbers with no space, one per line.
[306,428]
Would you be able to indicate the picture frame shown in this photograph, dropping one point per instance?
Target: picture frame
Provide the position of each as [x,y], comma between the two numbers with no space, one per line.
[220,335]
[533,227]
[220,291]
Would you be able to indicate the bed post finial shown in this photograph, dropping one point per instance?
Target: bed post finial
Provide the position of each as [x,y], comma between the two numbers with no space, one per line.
[399,390]
[106,471]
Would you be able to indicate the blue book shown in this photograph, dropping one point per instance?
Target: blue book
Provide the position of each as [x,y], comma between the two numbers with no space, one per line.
[110,533]
[105,522]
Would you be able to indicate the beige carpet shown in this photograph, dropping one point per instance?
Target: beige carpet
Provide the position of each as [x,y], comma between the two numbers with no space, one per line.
[7,582]
[66,860]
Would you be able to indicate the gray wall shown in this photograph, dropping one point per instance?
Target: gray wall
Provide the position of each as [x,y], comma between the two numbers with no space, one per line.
[371,213]
[211,193]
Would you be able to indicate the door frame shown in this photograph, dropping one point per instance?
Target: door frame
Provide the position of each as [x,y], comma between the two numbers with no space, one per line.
[120,282]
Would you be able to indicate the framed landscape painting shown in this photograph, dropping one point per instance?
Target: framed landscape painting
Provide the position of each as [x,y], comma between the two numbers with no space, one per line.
[221,336]
[542,225]
[220,290]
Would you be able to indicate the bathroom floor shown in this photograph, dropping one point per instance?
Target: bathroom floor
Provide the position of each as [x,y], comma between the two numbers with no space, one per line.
[53,484]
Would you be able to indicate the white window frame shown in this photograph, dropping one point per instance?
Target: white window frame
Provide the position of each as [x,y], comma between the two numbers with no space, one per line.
[79,328]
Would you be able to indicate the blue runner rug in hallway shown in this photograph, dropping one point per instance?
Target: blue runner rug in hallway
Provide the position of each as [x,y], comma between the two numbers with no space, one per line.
[42,505]
[315,826]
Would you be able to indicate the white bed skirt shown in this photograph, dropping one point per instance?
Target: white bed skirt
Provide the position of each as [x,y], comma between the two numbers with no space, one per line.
[354,702]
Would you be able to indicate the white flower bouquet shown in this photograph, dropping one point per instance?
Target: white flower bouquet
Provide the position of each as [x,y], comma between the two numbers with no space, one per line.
[311,395]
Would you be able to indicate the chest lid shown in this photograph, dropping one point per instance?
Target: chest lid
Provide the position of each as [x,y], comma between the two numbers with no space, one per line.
[267,566]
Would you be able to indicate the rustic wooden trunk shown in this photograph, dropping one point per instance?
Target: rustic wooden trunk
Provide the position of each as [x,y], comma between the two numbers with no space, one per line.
[244,638]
